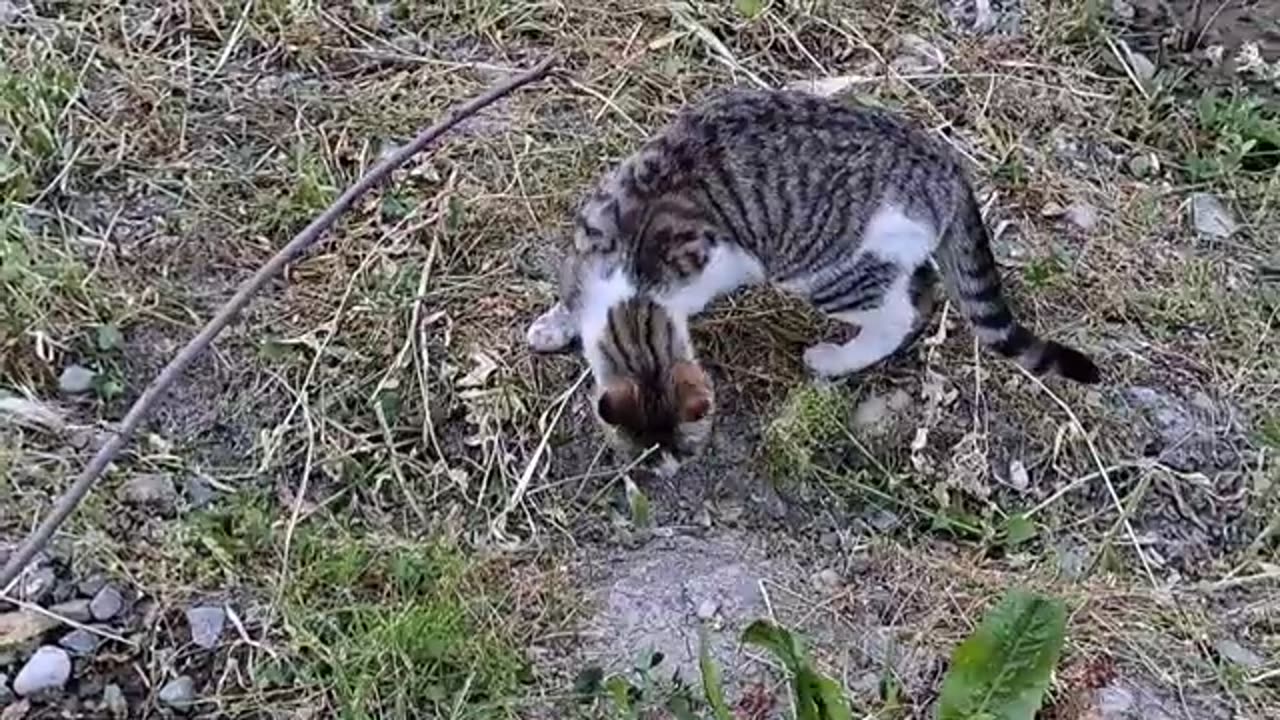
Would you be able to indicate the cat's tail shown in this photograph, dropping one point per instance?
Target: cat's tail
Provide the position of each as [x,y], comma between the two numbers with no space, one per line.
[969,271]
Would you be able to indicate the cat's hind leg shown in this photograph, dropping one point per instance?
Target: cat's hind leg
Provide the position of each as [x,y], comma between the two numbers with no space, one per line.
[554,331]
[886,323]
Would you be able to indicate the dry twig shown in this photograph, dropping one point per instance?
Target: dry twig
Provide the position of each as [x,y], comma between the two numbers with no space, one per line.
[142,406]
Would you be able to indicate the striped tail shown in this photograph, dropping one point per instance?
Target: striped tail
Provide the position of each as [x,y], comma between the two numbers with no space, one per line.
[969,271]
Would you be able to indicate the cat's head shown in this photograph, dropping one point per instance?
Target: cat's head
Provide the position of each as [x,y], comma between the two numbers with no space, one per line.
[652,397]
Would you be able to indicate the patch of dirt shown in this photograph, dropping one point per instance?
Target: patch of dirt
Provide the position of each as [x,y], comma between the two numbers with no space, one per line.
[1228,23]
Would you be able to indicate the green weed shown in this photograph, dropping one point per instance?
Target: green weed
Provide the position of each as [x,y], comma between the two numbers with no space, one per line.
[391,629]
[811,418]
[1236,135]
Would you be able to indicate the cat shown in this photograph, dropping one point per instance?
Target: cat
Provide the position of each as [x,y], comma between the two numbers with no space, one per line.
[847,206]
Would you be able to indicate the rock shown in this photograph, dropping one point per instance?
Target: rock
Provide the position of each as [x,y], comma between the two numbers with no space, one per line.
[75,610]
[707,609]
[90,586]
[1144,165]
[16,711]
[6,694]
[154,491]
[1142,67]
[79,642]
[76,380]
[178,693]
[114,702]
[828,579]
[1082,215]
[206,625]
[1210,217]
[199,492]
[1018,476]
[900,400]
[38,584]
[871,411]
[1237,654]
[106,604]
[48,669]
[1122,9]
[882,520]
[20,627]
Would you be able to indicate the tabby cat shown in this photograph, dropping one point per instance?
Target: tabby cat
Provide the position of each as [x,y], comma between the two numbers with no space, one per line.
[847,206]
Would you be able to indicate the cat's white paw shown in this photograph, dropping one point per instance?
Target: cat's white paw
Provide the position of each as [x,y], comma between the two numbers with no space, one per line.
[553,332]
[826,360]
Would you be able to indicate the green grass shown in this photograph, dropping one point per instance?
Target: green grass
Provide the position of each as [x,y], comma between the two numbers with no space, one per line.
[392,629]
[811,419]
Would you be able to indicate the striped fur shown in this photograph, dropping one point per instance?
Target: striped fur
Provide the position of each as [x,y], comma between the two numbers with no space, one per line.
[849,207]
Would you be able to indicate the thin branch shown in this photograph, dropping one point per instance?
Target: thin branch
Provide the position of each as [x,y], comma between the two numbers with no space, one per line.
[193,349]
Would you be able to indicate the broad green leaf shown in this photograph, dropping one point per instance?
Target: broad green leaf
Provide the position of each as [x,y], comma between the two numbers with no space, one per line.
[1002,670]
[749,9]
[778,641]
[1019,529]
[817,697]
[620,692]
[109,337]
[712,688]
[639,504]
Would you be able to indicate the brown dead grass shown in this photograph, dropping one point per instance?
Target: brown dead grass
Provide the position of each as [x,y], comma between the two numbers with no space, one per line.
[201,135]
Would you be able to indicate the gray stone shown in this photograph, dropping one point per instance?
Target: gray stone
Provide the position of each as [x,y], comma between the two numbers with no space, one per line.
[154,491]
[79,642]
[707,609]
[1082,215]
[871,412]
[828,579]
[114,702]
[90,586]
[1238,654]
[178,693]
[5,693]
[199,492]
[1210,217]
[1144,165]
[75,610]
[76,380]
[48,668]
[39,584]
[206,624]
[106,604]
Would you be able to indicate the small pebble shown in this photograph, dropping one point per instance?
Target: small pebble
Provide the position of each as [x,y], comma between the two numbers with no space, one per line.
[48,668]
[1082,215]
[1144,165]
[1210,217]
[79,642]
[206,624]
[178,693]
[39,584]
[1238,654]
[106,604]
[75,610]
[76,380]
[707,609]
[90,586]
[829,579]
[113,700]
[154,490]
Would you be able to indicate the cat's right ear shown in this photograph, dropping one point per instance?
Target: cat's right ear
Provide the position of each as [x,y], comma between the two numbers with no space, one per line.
[619,403]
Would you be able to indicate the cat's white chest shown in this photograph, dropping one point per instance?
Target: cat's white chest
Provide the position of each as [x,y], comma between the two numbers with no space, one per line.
[728,267]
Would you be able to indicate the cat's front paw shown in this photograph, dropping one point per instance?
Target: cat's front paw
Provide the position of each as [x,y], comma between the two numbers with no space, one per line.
[552,332]
[826,360]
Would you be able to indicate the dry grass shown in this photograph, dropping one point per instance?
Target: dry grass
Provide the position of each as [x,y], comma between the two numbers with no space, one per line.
[168,148]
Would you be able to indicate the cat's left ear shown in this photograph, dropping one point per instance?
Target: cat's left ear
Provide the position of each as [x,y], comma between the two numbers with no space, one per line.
[694,395]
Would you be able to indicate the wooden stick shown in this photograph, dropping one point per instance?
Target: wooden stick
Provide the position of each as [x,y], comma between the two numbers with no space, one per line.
[193,349]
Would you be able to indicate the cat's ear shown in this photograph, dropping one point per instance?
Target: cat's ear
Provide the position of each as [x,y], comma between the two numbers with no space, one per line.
[620,402]
[694,395]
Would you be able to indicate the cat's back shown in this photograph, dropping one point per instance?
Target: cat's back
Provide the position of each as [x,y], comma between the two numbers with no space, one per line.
[795,123]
